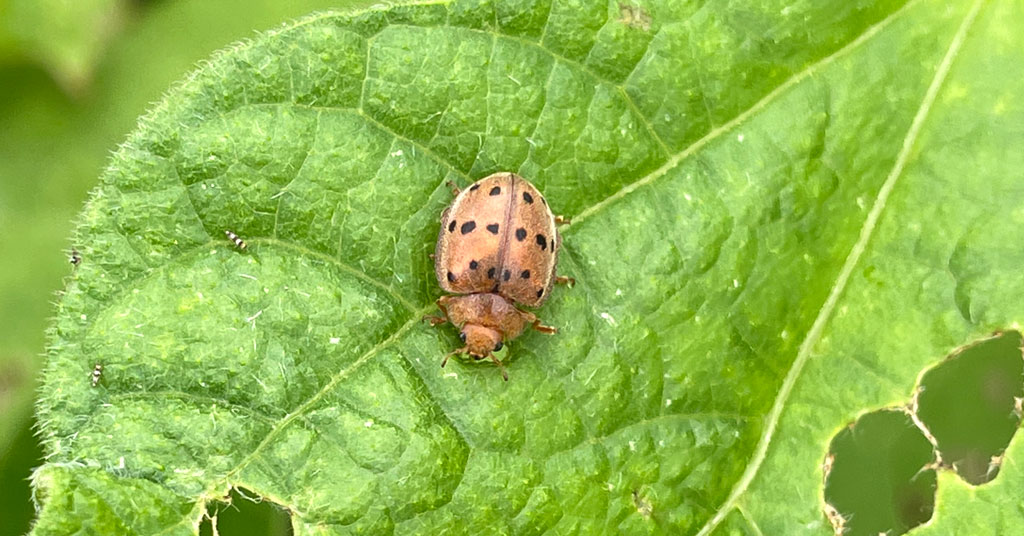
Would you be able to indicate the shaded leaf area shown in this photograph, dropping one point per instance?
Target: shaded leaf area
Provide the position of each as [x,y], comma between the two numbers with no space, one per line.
[939,269]
[880,476]
[880,470]
[717,187]
[971,405]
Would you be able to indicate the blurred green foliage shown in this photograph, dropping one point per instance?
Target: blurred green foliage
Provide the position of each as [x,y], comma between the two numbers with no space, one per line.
[65,37]
[74,76]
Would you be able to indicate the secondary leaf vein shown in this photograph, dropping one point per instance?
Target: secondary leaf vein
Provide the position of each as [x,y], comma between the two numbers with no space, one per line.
[714,134]
[304,408]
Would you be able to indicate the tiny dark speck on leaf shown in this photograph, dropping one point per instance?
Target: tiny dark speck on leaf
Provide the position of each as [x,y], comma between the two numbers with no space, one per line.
[635,17]
[643,507]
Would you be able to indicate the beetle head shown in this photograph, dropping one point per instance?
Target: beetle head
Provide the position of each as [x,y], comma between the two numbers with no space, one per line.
[480,341]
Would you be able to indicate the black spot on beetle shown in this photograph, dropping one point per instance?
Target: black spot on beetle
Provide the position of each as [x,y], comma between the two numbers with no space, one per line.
[527,197]
[473,265]
[474,187]
[542,241]
[496,190]
[490,273]
[493,228]
[540,292]
[451,226]
[525,274]
[507,275]
[468,227]
[520,234]
[451,277]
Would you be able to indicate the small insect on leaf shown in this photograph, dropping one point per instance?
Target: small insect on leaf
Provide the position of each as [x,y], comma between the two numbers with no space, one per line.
[75,257]
[239,243]
[97,372]
[493,268]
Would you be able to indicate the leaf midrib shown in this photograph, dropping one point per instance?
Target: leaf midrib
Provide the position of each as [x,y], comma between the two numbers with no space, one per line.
[867,230]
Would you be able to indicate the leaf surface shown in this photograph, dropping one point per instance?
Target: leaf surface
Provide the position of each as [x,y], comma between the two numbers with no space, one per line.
[736,177]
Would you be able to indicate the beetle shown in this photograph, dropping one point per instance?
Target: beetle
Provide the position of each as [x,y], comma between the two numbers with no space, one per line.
[497,250]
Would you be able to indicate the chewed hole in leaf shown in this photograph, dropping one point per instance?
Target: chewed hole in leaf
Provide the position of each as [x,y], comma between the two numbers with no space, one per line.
[244,513]
[970,404]
[879,476]
[880,471]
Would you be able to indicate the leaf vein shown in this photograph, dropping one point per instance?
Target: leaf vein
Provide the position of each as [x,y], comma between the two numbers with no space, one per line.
[582,68]
[306,406]
[193,397]
[750,521]
[825,313]
[700,415]
[298,171]
[149,273]
[339,264]
[714,134]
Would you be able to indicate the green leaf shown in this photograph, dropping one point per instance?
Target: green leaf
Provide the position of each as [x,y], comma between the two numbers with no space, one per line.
[781,215]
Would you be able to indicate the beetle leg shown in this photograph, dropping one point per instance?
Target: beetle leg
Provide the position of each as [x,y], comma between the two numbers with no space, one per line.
[449,354]
[438,320]
[550,330]
[562,220]
[530,318]
[501,366]
[453,186]
[435,320]
[441,305]
[563,280]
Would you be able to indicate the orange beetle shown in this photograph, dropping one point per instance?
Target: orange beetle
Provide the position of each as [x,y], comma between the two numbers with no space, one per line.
[498,248]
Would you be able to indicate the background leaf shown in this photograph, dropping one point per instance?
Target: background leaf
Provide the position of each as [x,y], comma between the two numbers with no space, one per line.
[736,181]
[67,37]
